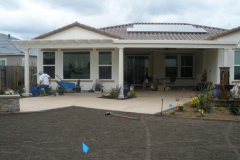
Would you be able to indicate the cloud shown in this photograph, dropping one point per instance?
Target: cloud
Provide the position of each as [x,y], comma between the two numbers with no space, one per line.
[30,18]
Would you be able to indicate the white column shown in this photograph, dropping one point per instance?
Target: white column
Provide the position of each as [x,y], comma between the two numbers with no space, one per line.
[120,73]
[26,73]
[225,58]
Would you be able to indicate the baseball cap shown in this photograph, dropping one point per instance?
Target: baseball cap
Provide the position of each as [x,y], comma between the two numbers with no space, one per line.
[40,72]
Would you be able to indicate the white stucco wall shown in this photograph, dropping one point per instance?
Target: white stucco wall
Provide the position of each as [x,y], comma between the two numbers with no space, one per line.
[231,37]
[76,33]
[230,53]
[159,65]
[211,64]
[94,70]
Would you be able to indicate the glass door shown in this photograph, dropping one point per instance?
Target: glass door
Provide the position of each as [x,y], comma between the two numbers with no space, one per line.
[137,69]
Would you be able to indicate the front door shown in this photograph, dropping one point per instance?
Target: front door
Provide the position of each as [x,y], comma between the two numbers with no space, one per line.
[137,69]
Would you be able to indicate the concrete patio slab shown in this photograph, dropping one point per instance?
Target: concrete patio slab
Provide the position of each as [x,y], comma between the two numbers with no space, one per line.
[147,101]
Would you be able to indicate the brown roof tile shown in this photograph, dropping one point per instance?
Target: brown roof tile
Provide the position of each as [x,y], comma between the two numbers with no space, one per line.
[121,31]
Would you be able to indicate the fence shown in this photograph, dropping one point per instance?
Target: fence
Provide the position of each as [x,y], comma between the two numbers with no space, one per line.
[11,76]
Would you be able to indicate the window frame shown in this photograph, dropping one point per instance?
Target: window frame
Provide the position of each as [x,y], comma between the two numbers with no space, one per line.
[23,61]
[183,66]
[235,65]
[50,65]
[104,65]
[79,53]
[179,64]
[4,59]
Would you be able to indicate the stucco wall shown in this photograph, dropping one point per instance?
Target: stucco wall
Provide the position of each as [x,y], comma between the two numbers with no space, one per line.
[159,65]
[211,61]
[230,37]
[230,61]
[14,60]
[77,33]
[88,83]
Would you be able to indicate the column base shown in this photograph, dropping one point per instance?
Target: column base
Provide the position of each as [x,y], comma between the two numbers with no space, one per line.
[26,94]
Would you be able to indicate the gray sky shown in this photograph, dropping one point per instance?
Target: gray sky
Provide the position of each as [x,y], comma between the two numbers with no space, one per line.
[26,19]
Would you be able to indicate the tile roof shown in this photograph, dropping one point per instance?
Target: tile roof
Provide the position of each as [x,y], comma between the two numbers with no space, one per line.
[237,29]
[9,47]
[121,31]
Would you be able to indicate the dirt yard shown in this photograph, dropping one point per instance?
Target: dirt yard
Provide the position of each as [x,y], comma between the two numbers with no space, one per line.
[59,134]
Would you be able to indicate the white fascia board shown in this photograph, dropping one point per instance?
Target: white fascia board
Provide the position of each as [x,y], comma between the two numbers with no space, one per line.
[28,43]
[172,42]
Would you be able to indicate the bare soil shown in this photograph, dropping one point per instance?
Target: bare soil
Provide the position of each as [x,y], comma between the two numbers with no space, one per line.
[190,112]
[59,134]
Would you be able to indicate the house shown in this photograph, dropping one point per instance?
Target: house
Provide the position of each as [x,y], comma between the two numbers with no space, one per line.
[136,51]
[11,55]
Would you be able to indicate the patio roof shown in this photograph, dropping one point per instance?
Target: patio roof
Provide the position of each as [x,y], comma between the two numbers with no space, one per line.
[116,43]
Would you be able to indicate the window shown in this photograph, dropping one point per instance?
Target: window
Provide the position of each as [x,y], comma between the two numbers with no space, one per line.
[186,66]
[179,66]
[237,65]
[3,62]
[76,65]
[105,65]
[23,61]
[171,66]
[49,63]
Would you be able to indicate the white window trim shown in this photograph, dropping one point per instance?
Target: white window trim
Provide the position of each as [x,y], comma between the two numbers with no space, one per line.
[180,58]
[23,61]
[4,59]
[179,65]
[106,65]
[235,65]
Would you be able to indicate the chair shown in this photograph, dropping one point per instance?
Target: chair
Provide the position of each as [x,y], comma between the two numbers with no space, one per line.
[98,86]
[171,82]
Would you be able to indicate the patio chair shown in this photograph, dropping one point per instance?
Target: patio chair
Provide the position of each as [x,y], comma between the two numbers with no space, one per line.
[98,86]
[171,82]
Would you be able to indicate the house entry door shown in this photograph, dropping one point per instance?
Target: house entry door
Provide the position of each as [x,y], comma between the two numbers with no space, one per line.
[137,69]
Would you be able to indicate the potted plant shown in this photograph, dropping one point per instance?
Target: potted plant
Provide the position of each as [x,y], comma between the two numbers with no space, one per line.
[214,89]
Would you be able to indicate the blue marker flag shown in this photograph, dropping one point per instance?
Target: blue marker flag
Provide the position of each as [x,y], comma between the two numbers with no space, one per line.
[85,148]
[170,105]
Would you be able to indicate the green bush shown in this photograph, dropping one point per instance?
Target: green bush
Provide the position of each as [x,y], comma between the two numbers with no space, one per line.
[221,108]
[114,92]
[131,94]
[235,108]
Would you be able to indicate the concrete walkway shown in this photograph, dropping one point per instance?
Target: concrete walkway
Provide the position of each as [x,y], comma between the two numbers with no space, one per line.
[147,101]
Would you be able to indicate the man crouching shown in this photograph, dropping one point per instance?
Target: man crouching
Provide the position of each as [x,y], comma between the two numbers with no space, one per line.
[45,81]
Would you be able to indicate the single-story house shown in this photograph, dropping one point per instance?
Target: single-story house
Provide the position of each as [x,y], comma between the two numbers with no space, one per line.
[11,54]
[136,51]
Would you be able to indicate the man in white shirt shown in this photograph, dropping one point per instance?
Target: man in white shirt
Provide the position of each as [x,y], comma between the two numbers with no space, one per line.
[44,82]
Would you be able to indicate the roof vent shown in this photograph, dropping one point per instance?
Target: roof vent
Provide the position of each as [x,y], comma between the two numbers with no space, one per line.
[9,36]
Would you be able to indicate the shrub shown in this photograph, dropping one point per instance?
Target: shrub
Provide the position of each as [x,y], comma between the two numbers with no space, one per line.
[180,107]
[195,102]
[235,108]
[114,92]
[221,108]
[131,94]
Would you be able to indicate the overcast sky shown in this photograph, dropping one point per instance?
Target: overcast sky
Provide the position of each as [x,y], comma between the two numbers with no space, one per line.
[26,19]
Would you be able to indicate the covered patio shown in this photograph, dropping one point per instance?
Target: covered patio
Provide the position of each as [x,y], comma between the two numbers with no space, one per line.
[110,54]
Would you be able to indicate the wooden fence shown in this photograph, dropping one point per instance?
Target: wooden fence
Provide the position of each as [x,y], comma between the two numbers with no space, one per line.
[11,76]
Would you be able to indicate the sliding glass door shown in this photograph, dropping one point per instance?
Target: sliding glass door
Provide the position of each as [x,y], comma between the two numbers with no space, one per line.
[137,69]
